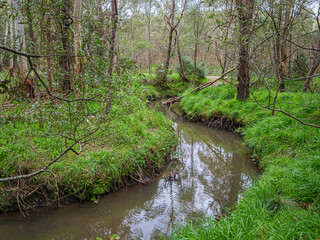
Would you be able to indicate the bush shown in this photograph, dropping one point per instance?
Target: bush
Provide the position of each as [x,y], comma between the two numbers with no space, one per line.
[301,65]
[189,68]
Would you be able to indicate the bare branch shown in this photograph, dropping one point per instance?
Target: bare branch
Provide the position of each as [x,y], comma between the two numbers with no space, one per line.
[303,78]
[208,84]
[41,170]
[284,112]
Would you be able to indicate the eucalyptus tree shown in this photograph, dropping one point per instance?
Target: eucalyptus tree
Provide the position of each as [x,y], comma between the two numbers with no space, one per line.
[77,10]
[245,9]
[15,34]
[173,23]
[315,51]
[198,16]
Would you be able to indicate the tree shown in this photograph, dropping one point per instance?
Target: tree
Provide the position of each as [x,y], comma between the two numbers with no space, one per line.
[114,22]
[172,28]
[198,18]
[245,13]
[77,28]
[65,21]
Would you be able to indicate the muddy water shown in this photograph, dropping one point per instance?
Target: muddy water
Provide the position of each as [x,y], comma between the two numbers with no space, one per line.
[211,173]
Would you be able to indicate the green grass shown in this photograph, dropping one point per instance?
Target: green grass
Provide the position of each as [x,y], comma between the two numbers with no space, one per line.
[131,140]
[284,202]
[176,86]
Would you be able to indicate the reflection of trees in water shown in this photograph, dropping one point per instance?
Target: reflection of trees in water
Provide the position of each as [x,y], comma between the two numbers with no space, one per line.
[227,168]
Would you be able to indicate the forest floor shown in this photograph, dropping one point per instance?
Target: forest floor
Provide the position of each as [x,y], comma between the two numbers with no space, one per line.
[284,201]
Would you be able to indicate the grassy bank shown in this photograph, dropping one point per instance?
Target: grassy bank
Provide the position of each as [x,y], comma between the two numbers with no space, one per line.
[127,145]
[284,202]
[175,86]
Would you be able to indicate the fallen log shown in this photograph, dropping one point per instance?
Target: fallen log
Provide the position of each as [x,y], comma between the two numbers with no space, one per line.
[208,84]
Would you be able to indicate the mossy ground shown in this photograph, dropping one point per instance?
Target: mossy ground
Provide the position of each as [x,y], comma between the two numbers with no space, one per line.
[284,202]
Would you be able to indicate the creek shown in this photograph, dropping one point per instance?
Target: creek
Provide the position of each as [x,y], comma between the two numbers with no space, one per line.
[210,170]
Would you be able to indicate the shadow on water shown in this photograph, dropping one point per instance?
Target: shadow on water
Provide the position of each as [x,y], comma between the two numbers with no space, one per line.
[210,170]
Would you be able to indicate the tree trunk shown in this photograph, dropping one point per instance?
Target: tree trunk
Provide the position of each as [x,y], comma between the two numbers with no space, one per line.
[167,63]
[114,17]
[65,22]
[195,64]
[77,28]
[48,42]
[245,11]
[284,53]
[149,36]
[314,65]
[182,73]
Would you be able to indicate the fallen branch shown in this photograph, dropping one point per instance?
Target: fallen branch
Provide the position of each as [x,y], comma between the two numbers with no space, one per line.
[208,84]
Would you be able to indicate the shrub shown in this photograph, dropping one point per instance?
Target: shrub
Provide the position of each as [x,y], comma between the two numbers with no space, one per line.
[189,68]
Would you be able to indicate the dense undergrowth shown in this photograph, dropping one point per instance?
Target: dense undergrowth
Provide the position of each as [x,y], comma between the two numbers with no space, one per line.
[127,145]
[284,202]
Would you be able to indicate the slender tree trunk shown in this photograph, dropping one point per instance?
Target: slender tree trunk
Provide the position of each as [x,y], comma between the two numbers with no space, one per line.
[149,36]
[182,73]
[314,65]
[48,42]
[114,17]
[284,53]
[167,63]
[245,11]
[77,28]
[195,65]
[65,22]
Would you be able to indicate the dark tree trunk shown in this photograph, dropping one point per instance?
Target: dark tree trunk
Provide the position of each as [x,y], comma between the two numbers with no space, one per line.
[243,74]
[182,73]
[167,63]
[245,11]
[65,23]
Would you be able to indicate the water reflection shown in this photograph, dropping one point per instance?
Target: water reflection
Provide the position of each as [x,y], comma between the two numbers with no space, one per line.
[211,170]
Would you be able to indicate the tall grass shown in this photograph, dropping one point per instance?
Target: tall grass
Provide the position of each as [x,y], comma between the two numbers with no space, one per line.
[129,142]
[284,202]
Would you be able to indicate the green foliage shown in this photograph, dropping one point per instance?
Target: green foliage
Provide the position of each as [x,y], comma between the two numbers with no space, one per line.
[284,202]
[300,65]
[130,139]
[188,66]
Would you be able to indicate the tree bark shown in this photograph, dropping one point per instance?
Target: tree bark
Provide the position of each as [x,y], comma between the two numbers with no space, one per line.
[167,63]
[77,28]
[284,49]
[65,22]
[149,36]
[114,17]
[245,12]
[182,73]
[195,64]
[48,58]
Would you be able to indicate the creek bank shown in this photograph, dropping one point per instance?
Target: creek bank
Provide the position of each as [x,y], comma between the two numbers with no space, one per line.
[134,153]
[216,121]
[205,176]
[288,191]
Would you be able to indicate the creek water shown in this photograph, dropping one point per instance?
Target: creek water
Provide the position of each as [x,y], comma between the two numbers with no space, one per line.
[211,171]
